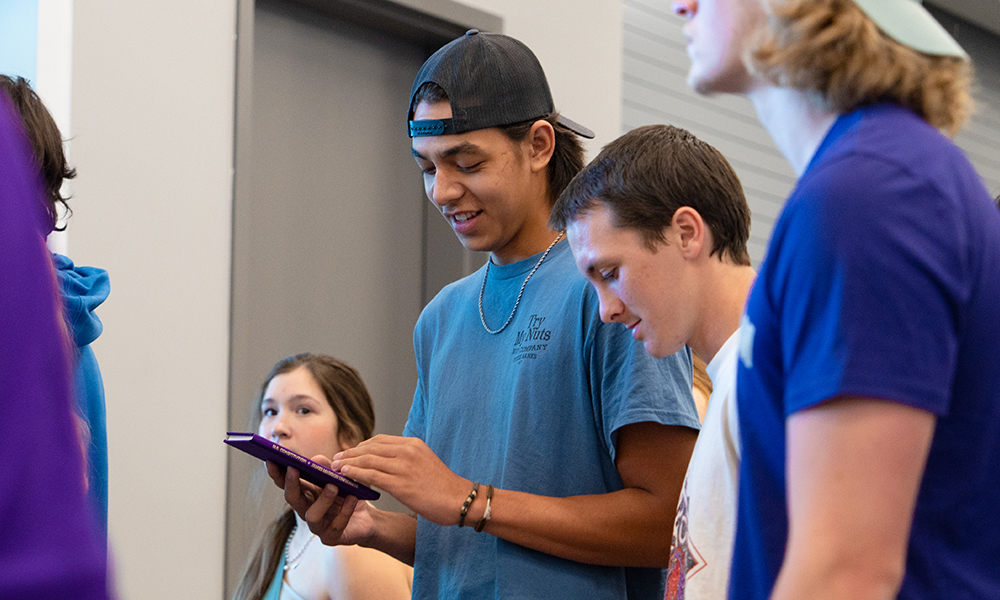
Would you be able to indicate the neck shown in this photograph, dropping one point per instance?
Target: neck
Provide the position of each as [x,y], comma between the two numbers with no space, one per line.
[723,294]
[796,120]
[534,237]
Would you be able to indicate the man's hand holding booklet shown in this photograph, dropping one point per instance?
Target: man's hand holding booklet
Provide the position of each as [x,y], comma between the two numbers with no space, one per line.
[312,472]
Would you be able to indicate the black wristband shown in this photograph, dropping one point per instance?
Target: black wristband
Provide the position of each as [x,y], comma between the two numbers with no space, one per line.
[467,504]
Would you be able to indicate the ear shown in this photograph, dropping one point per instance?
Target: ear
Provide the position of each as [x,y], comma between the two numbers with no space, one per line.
[689,232]
[346,441]
[542,143]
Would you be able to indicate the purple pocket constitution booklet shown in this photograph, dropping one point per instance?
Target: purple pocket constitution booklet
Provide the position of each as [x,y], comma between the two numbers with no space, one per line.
[265,449]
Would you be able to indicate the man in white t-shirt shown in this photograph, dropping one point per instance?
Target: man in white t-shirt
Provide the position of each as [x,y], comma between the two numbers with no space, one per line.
[659,224]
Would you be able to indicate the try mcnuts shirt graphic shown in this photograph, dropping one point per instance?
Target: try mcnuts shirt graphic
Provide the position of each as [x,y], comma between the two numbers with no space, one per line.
[533,340]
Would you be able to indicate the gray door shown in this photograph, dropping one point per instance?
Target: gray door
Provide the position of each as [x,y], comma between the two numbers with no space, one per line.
[336,249]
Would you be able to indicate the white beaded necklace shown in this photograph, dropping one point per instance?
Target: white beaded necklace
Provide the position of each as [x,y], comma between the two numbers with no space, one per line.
[292,563]
[482,317]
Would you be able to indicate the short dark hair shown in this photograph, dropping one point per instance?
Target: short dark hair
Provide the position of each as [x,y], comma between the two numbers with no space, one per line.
[567,157]
[644,176]
[45,139]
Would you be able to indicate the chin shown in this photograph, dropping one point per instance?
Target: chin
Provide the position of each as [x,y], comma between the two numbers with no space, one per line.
[475,244]
[701,87]
[659,350]
[734,81]
[654,350]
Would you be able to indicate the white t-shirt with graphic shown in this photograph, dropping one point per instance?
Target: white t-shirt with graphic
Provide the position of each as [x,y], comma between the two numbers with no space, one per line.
[702,543]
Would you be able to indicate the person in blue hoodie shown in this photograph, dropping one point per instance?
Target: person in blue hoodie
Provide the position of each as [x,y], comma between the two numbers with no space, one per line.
[83,289]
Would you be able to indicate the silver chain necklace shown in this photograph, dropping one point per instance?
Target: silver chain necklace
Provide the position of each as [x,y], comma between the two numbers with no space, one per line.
[292,563]
[482,317]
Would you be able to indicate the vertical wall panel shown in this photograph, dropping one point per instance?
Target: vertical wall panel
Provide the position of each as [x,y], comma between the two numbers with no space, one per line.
[152,118]
[981,136]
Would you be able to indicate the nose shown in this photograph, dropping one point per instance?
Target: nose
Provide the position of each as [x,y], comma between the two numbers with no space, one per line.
[443,189]
[685,8]
[612,308]
[279,429]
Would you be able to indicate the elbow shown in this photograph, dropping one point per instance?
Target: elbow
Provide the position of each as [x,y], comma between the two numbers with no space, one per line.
[855,575]
[877,579]
[877,573]
[658,540]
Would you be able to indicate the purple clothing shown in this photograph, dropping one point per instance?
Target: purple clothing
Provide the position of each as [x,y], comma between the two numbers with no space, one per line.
[48,540]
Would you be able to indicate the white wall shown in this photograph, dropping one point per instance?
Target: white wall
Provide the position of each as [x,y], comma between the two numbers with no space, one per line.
[579,44]
[152,128]
[54,82]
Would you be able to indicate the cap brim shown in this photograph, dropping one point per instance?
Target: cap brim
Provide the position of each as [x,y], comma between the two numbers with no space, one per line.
[909,23]
[575,127]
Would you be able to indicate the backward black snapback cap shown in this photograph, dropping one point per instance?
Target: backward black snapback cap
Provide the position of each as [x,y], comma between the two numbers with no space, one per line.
[492,80]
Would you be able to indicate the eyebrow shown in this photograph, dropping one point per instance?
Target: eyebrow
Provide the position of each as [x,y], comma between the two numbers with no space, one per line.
[463,148]
[293,398]
[601,262]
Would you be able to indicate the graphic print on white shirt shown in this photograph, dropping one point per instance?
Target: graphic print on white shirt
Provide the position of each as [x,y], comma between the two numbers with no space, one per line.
[702,543]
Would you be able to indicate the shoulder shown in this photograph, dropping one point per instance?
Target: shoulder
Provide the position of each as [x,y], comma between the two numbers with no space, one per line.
[459,289]
[877,156]
[561,277]
[883,193]
[455,293]
[365,573]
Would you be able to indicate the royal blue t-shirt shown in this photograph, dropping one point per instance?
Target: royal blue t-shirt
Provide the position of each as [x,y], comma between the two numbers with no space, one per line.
[882,280]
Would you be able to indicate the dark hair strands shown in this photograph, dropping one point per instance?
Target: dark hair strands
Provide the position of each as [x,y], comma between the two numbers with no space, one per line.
[46,144]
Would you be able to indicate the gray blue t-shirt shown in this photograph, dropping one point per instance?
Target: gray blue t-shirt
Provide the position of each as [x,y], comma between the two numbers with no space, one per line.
[533,409]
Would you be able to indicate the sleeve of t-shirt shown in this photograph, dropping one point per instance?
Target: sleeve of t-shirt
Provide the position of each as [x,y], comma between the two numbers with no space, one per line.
[415,422]
[629,386]
[867,278]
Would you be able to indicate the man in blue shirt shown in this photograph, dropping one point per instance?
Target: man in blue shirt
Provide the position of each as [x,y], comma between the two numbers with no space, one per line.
[579,438]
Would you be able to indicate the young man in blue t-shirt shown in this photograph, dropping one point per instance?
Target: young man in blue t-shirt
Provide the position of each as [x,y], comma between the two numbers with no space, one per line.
[868,392]
[578,437]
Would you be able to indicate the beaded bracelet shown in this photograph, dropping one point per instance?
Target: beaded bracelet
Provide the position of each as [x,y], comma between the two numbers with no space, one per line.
[486,515]
[467,503]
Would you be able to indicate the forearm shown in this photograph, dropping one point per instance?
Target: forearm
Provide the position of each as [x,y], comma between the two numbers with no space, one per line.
[854,469]
[630,527]
[395,535]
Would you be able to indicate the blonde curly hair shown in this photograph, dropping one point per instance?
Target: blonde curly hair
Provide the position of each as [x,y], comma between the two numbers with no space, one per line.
[831,47]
